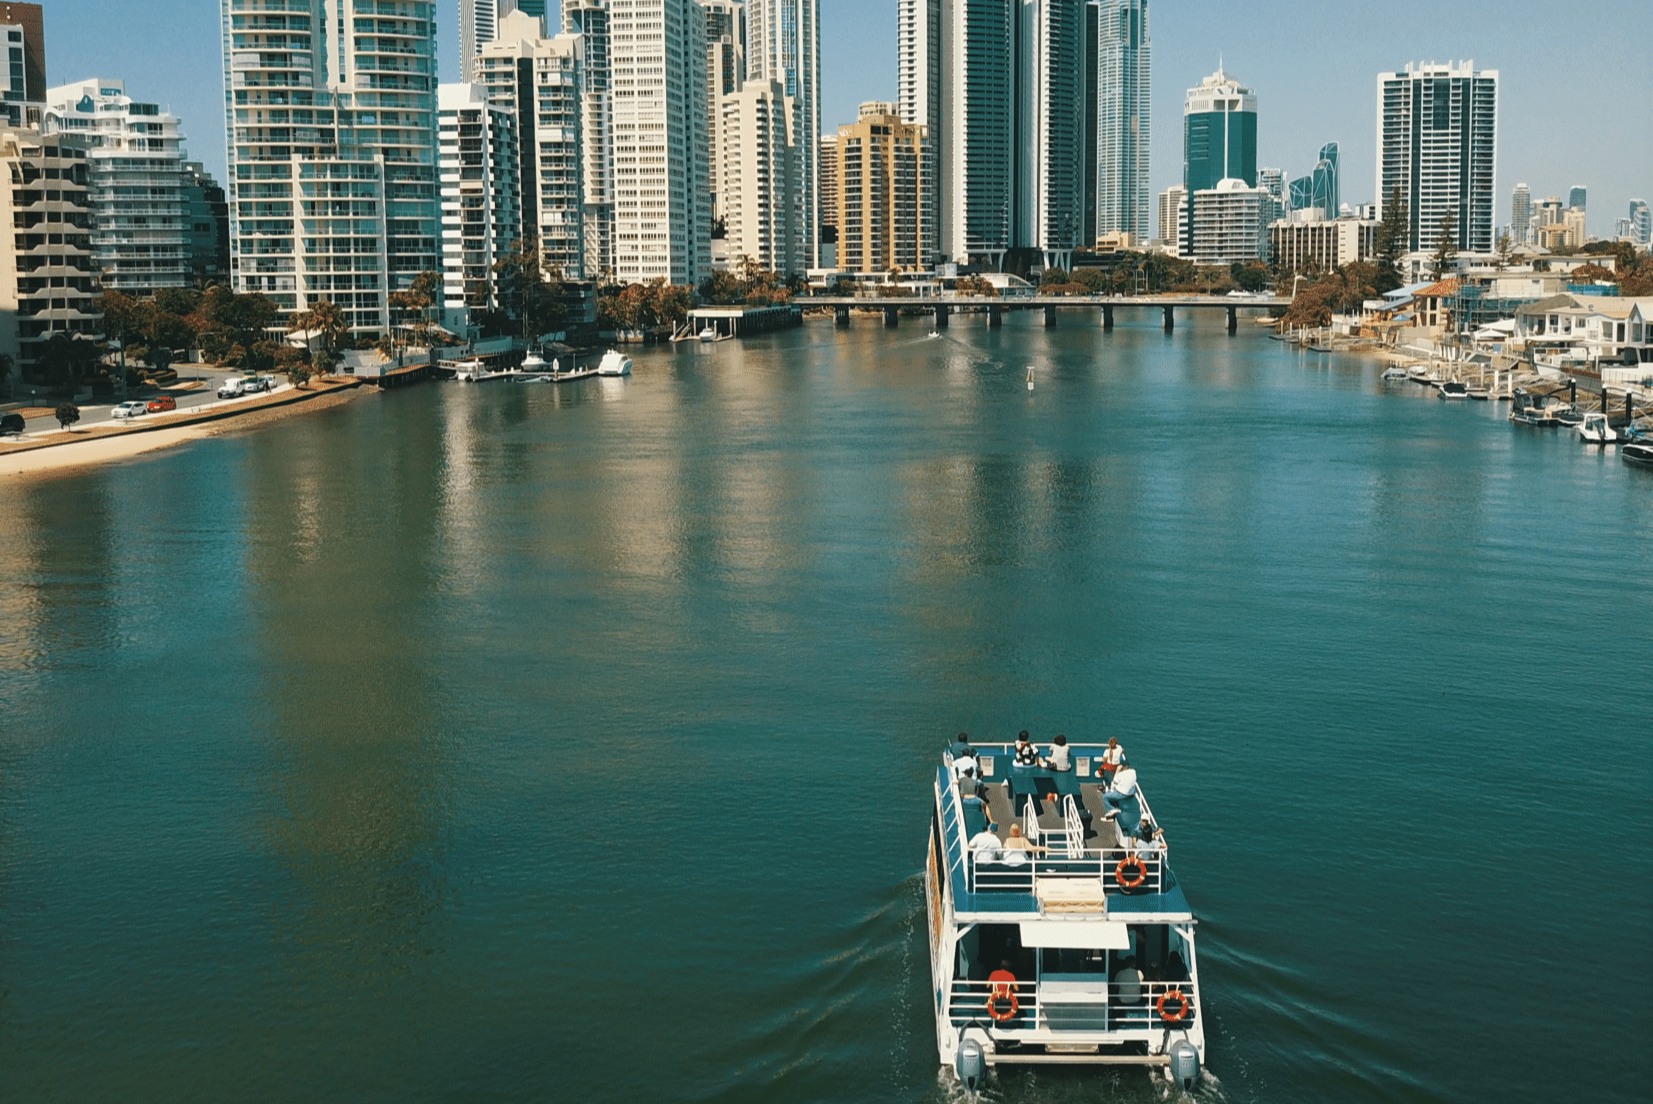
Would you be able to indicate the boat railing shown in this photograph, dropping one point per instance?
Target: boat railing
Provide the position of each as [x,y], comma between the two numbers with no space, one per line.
[1099,1006]
[1119,869]
[952,823]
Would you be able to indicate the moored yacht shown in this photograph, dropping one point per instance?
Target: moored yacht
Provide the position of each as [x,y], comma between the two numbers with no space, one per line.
[614,363]
[1058,934]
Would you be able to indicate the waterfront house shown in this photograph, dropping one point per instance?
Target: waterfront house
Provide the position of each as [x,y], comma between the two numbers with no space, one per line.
[1583,333]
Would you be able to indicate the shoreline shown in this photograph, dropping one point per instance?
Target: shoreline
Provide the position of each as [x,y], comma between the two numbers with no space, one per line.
[71,453]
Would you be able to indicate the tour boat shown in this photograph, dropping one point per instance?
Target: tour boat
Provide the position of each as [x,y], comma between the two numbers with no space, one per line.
[1595,430]
[1079,951]
[614,363]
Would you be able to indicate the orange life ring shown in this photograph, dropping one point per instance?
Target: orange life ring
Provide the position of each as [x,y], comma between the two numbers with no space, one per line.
[1184,1006]
[1141,872]
[1002,1004]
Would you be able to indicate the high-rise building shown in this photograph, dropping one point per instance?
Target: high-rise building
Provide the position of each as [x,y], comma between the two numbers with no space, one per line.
[882,219]
[140,231]
[762,161]
[48,277]
[1520,215]
[540,80]
[207,215]
[1123,98]
[1219,138]
[1173,212]
[1576,196]
[23,79]
[725,73]
[1219,142]
[828,186]
[1641,222]
[1273,181]
[1437,149]
[1227,224]
[481,196]
[662,216]
[783,43]
[997,86]
[1321,245]
[589,20]
[1318,190]
[478,23]
[332,150]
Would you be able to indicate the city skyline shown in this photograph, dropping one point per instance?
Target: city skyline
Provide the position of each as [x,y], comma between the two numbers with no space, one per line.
[1546,137]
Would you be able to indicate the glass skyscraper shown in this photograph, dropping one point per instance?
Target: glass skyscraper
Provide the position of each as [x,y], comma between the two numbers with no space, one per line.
[1437,149]
[1219,141]
[1123,98]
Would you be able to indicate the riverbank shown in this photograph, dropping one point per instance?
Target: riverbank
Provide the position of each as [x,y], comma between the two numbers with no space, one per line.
[74,450]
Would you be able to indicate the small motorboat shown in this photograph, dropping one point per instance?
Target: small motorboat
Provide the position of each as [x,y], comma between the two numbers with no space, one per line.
[1417,373]
[468,371]
[1394,373]
[709,334]
[533,362]
[1595,430]
[932,335]
[614,363]
[1452,389]
[1639,455]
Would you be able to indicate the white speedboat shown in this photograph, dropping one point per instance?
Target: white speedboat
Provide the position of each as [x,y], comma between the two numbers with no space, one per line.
[533,362]
[709,334]
[1395,372]
[468,371]
[1595,430]
[1639,455]
[1071,945]
[933,334]
[614,363]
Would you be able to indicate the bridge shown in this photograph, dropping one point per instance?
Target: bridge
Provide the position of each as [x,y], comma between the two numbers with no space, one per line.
[943,307]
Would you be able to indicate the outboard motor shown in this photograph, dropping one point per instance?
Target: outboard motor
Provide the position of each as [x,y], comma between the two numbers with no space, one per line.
[971,1062]
[1185,1064]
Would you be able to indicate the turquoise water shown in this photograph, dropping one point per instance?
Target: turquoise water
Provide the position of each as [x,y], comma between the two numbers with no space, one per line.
[525,743]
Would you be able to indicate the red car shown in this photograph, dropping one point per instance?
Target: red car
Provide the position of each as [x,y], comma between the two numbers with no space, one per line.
[162,404]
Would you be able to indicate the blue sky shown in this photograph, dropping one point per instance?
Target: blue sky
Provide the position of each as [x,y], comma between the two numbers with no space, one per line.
[1576,93]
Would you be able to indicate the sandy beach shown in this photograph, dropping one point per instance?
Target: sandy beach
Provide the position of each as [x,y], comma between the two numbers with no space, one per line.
[64,453]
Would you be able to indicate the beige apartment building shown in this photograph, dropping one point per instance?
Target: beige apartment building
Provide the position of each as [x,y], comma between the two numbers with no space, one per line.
[882,220]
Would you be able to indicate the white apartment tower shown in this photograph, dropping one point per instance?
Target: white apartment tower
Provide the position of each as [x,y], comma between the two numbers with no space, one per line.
[761,177]
[783,43]
[1521,215]
[725,73]
[332,150]
[1001,88]
[589,20]
[540,81]
[1123,92]
[662,214]
[140,221]
[1437,148]
[478,23]
[48,279]
[481,212]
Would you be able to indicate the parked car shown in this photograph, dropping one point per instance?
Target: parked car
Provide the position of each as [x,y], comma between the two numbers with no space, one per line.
[162,403]
[258,383]
[11,423]
[232,387]
[134,409]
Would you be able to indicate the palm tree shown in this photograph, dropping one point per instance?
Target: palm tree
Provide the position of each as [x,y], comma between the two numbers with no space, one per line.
[326,320]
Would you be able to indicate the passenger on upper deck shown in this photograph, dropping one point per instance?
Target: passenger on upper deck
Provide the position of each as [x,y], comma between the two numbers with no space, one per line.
[1123,807]
[960,744]
[1149,840]
[1128,980]
[964,763]
[1026,754]
[1112,756]
[986,845]
[1059,758]
[1015,841]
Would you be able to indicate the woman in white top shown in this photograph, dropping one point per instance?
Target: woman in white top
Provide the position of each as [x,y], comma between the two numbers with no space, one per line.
[1112,756]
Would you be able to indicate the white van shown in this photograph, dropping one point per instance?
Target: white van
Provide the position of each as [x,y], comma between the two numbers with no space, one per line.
[232,387]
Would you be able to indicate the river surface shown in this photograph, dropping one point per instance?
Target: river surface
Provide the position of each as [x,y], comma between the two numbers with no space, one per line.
[523,743]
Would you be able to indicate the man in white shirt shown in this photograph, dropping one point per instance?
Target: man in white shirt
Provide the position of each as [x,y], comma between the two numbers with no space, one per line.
[1122,789]
[986,846]
[964,764]
[1059,758]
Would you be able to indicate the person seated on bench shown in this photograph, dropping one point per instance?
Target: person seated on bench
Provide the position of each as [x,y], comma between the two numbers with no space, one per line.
[1015,841]
[1059,759]
[1120,791]
[1113,757]
[1149,841]
[1128,982]
[965,765]
[976,801]
[1026,754]
[986,845]
[961,745]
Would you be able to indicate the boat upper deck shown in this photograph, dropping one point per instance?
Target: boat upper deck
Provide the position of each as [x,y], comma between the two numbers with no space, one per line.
[1080,851]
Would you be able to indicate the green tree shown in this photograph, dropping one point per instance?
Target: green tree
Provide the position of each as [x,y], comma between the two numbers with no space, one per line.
[1446,247]
[7,366]
[1506,249]
[67,359]
[1053,275]
[1392,241]
[1249,276]
[529,292]
[67,414]
[327,321]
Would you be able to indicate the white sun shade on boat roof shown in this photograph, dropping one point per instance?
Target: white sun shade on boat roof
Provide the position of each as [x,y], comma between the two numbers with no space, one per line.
[1088,935]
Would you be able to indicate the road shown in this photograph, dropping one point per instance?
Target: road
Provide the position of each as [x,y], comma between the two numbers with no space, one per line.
[206,391]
